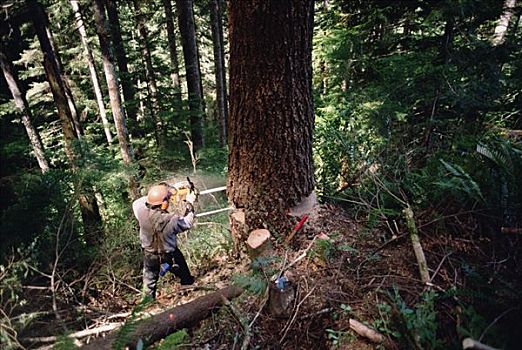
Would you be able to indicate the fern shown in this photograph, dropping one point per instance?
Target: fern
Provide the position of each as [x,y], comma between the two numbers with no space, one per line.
[254,284]
[459,181]
[500,156]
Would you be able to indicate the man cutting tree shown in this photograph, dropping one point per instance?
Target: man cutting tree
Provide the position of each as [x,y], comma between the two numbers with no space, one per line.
[160,221]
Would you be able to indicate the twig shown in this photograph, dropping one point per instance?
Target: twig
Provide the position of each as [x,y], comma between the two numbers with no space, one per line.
[76,335]
[265,300]
[369,256]
[299,258]
[289,324]
[440,265]
[495,321]
[191,150]
[320,312]
[242,321]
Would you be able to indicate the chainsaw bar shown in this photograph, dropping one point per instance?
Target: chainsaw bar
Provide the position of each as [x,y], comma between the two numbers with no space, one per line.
[212,190]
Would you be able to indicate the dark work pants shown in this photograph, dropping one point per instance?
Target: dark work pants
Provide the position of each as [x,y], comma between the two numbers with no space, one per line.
[151,269]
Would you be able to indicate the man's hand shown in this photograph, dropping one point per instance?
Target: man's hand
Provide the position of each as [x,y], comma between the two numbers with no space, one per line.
[191,197]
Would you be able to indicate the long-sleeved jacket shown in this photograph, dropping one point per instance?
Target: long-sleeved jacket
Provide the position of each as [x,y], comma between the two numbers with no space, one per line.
[168,225]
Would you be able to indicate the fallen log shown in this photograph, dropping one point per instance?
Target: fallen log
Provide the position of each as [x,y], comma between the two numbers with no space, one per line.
[157,327]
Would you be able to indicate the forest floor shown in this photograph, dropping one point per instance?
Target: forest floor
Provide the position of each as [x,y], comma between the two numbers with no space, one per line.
[350,273]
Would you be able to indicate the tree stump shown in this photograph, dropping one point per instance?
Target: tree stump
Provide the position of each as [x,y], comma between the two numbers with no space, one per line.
[259,243]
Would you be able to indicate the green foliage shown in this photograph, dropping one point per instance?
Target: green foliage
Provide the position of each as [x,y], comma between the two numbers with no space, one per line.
[206,241]
[324,249]
[254,283]
[420,322]
[458,181]
[175,340]
[384,324]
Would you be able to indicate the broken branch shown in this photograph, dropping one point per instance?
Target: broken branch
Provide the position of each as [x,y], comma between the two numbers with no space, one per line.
[417,248]
[366,331]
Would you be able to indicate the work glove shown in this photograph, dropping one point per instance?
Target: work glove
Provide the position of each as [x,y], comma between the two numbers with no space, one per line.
[191,198]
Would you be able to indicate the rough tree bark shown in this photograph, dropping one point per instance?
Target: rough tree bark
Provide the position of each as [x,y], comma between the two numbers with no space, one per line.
[114,93]
[271,111]
[127,86]
[159,326]
[56,83]
[92,69]
[171,37]
[88,206]
[503,22]
[219,69]
[190,54]
[149,71]
[67,88]
[21,103]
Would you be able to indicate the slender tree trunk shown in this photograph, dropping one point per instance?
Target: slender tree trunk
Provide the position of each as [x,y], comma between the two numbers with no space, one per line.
[171,36]
[190,55]
[503,22]
[219,63]
[88,206]
[127,85]
[222,7]
[114,92]
[21,103]
[271,108]
[68,92]
[56,83]
[92,69]
[149,71]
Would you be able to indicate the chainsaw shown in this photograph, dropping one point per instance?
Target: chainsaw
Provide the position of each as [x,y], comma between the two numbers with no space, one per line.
[180,190]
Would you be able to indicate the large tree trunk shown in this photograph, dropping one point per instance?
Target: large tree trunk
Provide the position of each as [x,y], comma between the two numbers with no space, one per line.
[21,103]
[271,108]
[149,71]
[127,85]
[219,69]
[161,325]
[92,69]
[503,22]
[171,37]
[88,206]
[114,93]
[190,55]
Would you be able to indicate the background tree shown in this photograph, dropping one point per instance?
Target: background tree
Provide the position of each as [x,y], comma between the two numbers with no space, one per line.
[127,84]
[21,103]
[271,109]
[92,69]
[88,205]
[171,36]
[149,70]
[114,93]
[190,55]
[219,68]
